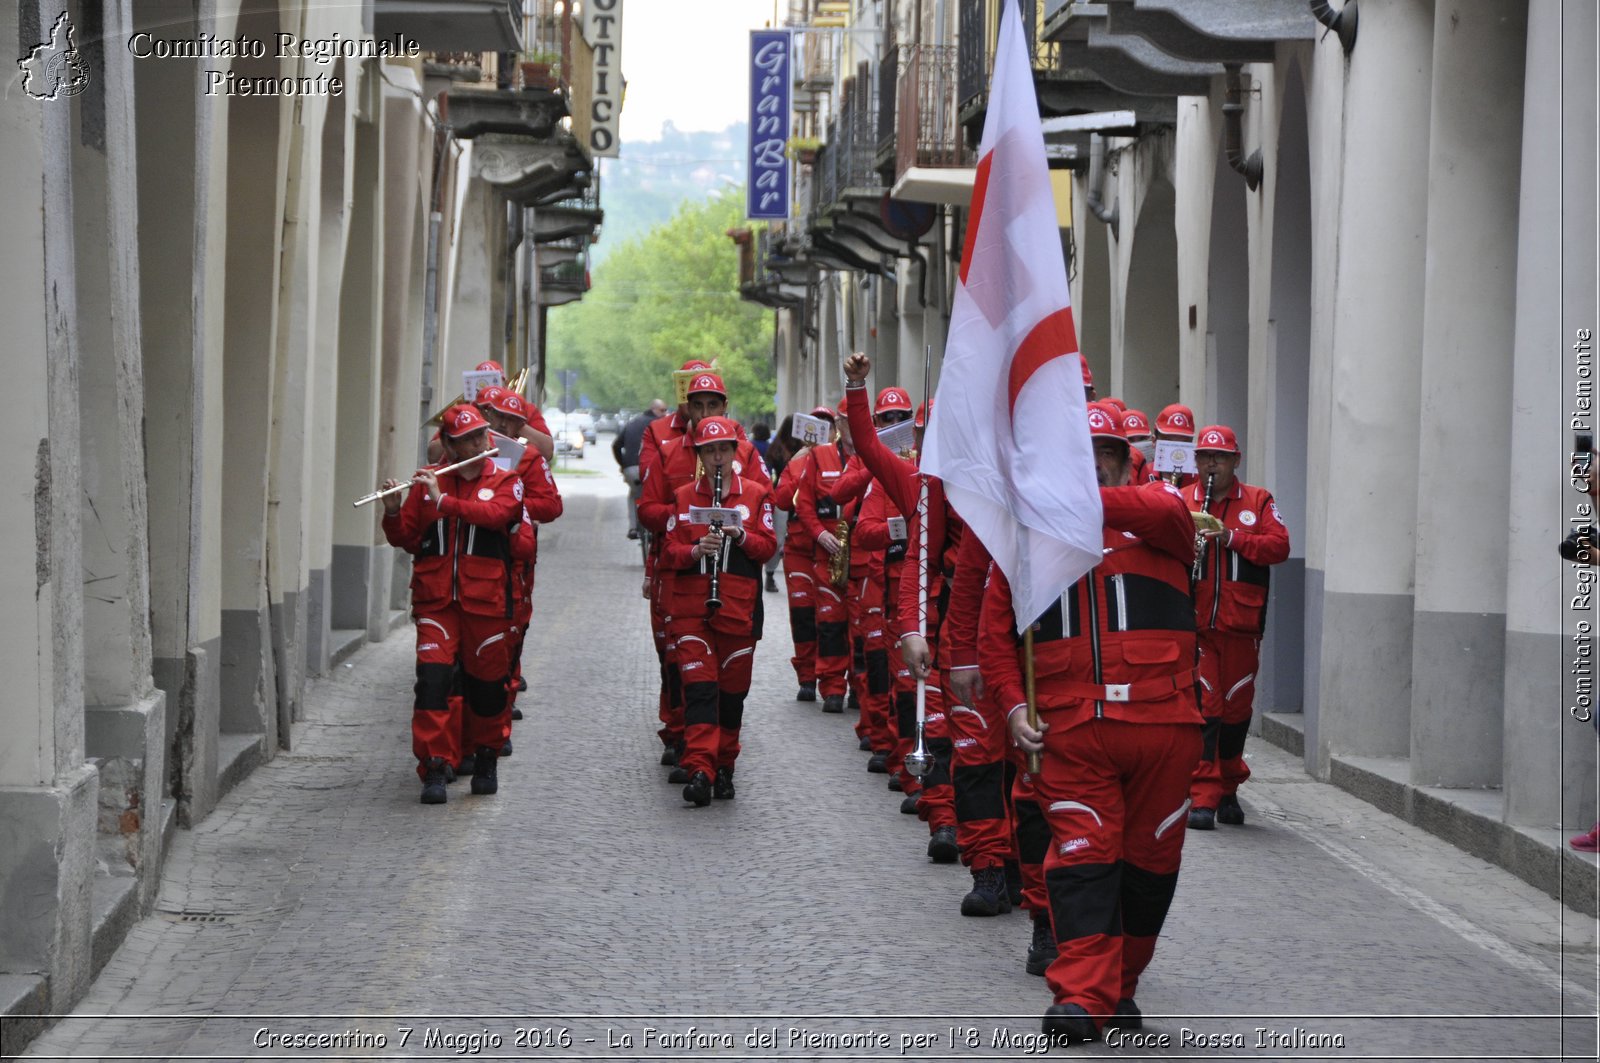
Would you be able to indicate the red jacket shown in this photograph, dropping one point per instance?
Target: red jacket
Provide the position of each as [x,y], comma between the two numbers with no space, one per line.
[462,545]
[541,503]
[1232,593]
[657,434]
[814,504]
[739,585]
[796,539]
[1128,623]
[966,603]
[676,467]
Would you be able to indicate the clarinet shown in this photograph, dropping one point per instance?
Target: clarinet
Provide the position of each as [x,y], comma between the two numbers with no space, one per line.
[1199,569]
[714,602]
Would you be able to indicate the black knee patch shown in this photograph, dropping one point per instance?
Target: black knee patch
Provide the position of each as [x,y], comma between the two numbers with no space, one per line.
[858,654]
[803,625]
[1146,896]
[833,640]
[730,710]
[674,685]
[485,697]
[1230,742]
[1208,737]
[699,704]
[433,687]
[877,672]
[905,713]
[1085,900]
[941,748]
[980,792]
[1033,832]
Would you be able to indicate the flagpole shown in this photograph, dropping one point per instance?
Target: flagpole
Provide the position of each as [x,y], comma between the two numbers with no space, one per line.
[1027,690]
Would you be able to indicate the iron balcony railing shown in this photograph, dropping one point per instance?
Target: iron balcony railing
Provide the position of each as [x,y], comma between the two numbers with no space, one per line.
[975,62]
[890,67]
[848,158]
[926,130]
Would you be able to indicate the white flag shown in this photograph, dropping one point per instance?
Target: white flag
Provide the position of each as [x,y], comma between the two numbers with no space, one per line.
[1009,435]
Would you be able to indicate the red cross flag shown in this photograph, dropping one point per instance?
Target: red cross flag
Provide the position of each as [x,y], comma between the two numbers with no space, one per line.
[1009,435]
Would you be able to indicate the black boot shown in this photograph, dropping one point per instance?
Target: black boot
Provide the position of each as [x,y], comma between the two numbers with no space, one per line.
[1229,812]
[678,775]
[1070,1023]
[988,896]
[772,584]
[879,762]
[433,791]
[1014,883]
[1127,1017]
[908,805]
[894,782]
[505,750]
[698,790]
[516,713]
[833,703]
[942,847]
[853,703]
[669,756]
[1202,819]
[1042,949]
[808,692]
[484,780]
[722,786]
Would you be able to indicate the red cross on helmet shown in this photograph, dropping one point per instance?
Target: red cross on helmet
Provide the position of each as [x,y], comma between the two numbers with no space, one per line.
[715,430]
[1105,422]
[707,383]
[892,399]
[463,420]
[1176,420]
[1136,424]
[509,403]
[1218,437]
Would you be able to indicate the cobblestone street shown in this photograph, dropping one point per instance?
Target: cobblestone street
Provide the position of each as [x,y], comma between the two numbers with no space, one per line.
[587,897]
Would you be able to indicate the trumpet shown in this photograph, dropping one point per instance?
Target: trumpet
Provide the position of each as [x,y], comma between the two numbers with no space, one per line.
[364,499]
[714,602]
[839,563]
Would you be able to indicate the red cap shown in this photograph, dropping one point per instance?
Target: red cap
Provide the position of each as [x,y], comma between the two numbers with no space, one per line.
[891,400]
[715,430]
[1088,377]
[1176,420]
[824,411]
[509,403]
[496,366]
[463,420]
[694,363]
[1217,437]
[1112,400]
[707,383]
[1135,424]
[923,413]
[1105,422]
[486,396]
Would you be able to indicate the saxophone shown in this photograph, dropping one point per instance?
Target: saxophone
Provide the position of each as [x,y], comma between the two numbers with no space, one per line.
[839,564]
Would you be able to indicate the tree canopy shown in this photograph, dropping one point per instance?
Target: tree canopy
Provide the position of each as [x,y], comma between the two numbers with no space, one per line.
[661,299]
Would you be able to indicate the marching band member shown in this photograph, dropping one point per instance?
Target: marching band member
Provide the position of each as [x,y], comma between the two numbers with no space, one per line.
[715,644]
[1119,731]
[1230,603]
[822,519]
[458,526]
[798,572]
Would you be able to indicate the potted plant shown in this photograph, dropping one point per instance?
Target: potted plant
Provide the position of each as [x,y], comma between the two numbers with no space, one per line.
[804,149]
[539,70]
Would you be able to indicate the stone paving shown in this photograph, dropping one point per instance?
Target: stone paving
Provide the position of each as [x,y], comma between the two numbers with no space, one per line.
[586,904]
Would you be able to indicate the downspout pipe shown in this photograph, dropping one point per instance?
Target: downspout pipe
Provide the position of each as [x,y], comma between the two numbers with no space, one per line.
[1342,22]
[1233,131]
[1097,163]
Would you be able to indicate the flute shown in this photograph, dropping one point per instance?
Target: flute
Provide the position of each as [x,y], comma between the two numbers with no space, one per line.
[364,499]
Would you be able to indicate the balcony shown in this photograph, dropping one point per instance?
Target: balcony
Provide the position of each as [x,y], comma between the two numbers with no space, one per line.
[890,67]
[847,161]
[932,161]
[816,60]
[452,25]
[978,35]
[571,215]
[771,271]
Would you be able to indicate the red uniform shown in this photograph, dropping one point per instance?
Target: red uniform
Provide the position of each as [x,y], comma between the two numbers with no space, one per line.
[715,648]
[902,482]
[1230,602]
[819,513]
[863,597]
[799,577]
[872,533]
[1113,661]
[541,503]
[463,598]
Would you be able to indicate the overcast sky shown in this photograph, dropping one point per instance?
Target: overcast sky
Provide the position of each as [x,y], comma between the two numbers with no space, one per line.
[684,61]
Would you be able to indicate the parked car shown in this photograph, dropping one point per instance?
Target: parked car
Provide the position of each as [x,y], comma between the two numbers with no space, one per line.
[568,436]
[608,422]
[584,420]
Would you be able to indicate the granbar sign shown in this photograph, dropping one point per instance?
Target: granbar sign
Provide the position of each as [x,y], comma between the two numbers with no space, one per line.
[602,29]
[770,55]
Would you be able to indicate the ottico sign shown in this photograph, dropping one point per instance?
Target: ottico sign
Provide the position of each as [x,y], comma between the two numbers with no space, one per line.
[602,29]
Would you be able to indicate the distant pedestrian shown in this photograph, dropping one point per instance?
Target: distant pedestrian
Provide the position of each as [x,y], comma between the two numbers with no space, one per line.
[625,448]
[761,435]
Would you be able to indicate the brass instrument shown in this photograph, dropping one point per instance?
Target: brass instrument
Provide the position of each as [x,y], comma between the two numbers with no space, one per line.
[839,563]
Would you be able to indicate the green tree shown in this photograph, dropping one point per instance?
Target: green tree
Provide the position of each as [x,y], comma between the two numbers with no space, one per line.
[661,299]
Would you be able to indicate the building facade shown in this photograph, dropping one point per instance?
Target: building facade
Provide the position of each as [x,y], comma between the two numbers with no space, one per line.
[240,279]
[1363,237]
